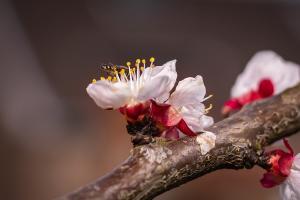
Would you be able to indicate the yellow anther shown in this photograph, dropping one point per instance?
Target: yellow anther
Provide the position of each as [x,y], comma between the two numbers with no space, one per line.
[142,68]
[128,64]
[114,79]
[122,72]
[152,59]
[133,70]
[94,81]
[102,78]
[109,78]
[137,62]
[144,61]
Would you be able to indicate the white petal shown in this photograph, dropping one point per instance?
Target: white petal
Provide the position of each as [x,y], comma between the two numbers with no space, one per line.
[296,163]
[109,95]
[194,117]
[158,81]
[290,189]
[188,91]
[206,121]
[207,141]
[266,64]
[163,98]
[170,69]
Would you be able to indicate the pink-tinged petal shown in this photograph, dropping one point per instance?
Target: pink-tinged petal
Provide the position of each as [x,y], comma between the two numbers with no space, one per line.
[183,127]
[265,88]
[171,133]
[270,180]
[164,114]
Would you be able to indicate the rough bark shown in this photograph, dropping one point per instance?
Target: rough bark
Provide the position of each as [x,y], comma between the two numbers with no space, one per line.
[155,168]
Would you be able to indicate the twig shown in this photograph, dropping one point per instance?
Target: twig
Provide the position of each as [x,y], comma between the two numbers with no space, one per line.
[155,168]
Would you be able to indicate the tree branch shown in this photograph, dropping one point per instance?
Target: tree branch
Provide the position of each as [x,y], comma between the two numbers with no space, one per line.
[158,167]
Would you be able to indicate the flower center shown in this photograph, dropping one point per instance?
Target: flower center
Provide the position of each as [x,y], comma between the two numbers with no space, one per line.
[127,74]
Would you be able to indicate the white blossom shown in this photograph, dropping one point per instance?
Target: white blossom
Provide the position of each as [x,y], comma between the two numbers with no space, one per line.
[266,65]
[134,87]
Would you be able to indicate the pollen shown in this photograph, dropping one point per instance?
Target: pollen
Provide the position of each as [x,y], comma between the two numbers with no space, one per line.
[94,81]
[152,59]
[122,72]
[130,72]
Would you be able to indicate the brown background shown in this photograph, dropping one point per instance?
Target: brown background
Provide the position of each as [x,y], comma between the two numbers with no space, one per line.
[54,138]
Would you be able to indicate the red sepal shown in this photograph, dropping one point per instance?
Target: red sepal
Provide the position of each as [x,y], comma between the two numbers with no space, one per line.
[265,89]
[281,162]
[164,114]
[183,127]
[269,180]
[133,112]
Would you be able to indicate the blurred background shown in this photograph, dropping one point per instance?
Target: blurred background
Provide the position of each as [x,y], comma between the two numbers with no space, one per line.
[54,138]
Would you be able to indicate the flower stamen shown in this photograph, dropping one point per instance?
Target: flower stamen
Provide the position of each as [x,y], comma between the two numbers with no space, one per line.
[152,59]
[208,97]
[208,109]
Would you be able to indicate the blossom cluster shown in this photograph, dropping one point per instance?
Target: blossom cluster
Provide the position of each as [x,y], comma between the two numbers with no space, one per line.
[139,90]
[265,75]
[142,91]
